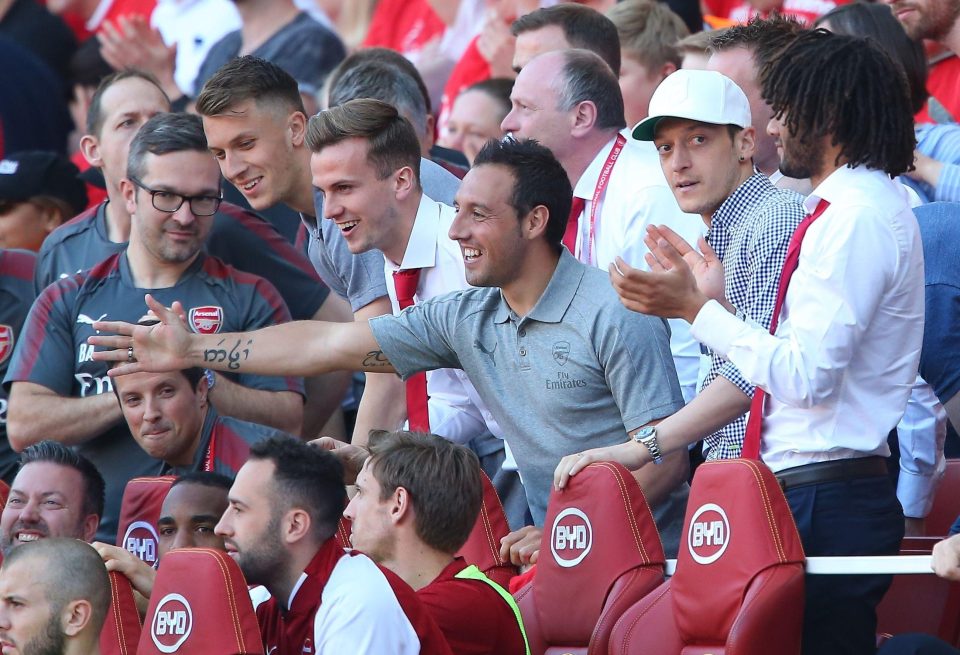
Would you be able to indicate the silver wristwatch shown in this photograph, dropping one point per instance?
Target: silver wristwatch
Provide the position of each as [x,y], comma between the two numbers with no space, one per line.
[648,438]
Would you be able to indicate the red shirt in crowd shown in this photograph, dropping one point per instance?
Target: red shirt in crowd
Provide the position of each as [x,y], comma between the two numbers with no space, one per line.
[741,11]
[471,68]
[944,88]
[473,617]
[403,25]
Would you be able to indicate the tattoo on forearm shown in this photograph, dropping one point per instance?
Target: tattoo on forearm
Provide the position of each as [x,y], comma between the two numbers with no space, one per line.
[232,356]
[375,358]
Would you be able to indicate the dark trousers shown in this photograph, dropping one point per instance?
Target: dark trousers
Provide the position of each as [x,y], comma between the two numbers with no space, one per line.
[849,517]
[916,644]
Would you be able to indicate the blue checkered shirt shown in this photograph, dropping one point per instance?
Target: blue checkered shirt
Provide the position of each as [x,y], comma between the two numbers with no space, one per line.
[750,233]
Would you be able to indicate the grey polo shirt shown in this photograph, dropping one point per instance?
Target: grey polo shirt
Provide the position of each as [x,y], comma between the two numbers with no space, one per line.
[579,371]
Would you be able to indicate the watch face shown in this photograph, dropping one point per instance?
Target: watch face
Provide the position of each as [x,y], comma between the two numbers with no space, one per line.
[646,432]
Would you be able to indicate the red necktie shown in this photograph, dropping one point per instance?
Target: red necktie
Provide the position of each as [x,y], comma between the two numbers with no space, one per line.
[751,440]
[405,282]
[573,225]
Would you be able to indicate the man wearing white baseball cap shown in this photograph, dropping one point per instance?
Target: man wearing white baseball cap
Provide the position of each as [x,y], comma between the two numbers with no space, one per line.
[700,123]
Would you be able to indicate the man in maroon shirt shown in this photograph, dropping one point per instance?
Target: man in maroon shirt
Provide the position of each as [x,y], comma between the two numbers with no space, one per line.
[418,497]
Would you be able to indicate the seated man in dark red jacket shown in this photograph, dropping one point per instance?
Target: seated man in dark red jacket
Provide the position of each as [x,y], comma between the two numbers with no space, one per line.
[171,418]
[418,498]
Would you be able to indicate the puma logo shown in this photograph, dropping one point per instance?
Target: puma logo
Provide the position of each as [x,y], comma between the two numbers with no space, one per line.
[86,320]
[492,353]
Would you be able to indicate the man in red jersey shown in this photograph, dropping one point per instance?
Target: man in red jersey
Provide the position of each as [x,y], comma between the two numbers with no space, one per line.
[418,497]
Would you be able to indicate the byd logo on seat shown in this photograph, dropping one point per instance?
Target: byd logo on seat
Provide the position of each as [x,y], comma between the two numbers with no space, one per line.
[709,534]
[571,537]
[172,623]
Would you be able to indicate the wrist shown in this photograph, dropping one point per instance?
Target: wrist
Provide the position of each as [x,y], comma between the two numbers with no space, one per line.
[697,301]
[646,438]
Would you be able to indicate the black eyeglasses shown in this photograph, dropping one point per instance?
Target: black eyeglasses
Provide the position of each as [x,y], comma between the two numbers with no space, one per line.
[169,202]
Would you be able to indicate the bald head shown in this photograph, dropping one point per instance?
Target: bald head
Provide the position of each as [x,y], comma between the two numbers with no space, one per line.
[65,574]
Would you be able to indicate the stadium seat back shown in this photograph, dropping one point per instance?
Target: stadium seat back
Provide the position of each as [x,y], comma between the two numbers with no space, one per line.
[121,631]
[483,545]
[938,614]
[600,553]
[139,512]
[738,587]
[200,605]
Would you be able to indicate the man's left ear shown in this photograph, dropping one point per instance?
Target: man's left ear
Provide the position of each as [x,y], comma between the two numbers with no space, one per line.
[584,118]
[297,127]
[400,505]
[75,617]
[746,143]
[406,182]
[536,222]
[90,524]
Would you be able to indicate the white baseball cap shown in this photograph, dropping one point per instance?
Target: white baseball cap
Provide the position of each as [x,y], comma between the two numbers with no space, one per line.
[697,95]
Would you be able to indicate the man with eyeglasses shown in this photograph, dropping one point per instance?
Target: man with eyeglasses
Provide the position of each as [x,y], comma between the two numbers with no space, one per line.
[172,191]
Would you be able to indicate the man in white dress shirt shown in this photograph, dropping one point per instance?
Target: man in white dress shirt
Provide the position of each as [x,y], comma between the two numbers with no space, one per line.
[840,365]
[570,101]
[365,161]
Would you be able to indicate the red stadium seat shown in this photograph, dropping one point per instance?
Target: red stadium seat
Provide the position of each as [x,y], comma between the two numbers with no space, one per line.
[121,631]
[200,606]
[939,612]
[600,553]
[4,492]
[139,512]
[946,502]
[483,545]
[738,587]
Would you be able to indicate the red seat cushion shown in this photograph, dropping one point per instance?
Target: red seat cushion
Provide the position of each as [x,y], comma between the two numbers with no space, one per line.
[200,604]
[121,631]
[600,553]
[483,544]
[139,512]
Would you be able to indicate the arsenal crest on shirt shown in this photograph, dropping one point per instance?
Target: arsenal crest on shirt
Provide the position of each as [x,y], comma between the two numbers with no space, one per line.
[6,342]
[207,319]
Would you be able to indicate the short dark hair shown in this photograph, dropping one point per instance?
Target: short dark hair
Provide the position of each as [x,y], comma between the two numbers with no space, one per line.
[442,478]
[392,142]
[205,479]
[70,570]
[877,22]
[649,32]
[55,452]
[163,134]
[846,88]
[765,38]
[248,78]
[383,56]
[585,76]
[538,179]
[582,27]
[306,477]
[193,375]
[497,88]
[385,82]
[94,113]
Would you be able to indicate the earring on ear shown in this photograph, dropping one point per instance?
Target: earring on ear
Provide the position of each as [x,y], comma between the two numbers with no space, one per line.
[741,157]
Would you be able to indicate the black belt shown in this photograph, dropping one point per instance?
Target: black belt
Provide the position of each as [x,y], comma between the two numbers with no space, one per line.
[832,471]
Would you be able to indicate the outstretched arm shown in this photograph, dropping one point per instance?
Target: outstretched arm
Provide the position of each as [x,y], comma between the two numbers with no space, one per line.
[300,348]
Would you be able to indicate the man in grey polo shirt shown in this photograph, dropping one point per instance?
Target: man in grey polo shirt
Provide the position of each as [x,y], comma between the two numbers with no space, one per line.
[561,364]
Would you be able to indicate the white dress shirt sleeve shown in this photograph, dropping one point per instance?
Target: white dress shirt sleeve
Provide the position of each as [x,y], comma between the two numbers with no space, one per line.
[845,263]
